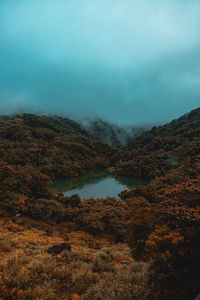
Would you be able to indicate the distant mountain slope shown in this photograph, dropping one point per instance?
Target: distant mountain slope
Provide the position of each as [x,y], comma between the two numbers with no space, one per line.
[163,148]
[110,133]
[55,123]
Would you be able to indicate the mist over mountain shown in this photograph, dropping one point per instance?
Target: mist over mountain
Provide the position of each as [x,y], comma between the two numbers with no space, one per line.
[117,60]
[111,133]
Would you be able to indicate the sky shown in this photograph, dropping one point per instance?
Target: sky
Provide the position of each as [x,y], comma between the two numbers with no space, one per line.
[126,61]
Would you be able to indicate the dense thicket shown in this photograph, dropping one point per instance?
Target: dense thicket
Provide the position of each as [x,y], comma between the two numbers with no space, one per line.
[162,149]
[57,147]
[164,216]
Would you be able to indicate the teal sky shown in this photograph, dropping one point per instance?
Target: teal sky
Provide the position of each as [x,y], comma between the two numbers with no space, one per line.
[128,61]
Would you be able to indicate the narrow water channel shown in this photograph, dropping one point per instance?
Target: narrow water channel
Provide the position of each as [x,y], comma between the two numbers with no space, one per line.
[98,183]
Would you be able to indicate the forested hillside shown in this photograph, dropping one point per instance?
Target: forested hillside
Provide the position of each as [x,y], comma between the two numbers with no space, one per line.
[34,150]
[164,216]
[57,147]
[159,221]
[172,146]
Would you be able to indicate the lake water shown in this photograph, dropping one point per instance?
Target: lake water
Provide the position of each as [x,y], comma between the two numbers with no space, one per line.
[97,184]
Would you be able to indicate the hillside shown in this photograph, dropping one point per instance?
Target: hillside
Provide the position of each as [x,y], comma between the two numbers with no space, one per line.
[73,248]
[111,133]
[36,149]
[164,216]
[172,146]
[56,146]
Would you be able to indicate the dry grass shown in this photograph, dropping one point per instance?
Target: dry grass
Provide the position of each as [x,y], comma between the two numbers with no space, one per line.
[95,268]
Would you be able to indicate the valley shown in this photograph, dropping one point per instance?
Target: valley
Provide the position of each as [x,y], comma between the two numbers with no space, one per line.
[148,245]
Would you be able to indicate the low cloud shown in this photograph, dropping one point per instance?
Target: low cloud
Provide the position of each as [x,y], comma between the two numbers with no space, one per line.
[126,61]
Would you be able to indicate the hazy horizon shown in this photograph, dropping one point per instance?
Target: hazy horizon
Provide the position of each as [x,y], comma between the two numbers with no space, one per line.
[128,62]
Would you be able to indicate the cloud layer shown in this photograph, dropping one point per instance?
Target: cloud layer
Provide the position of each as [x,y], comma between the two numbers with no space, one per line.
[123,60]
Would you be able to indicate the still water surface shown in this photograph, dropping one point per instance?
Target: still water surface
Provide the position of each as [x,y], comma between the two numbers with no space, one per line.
[96,183]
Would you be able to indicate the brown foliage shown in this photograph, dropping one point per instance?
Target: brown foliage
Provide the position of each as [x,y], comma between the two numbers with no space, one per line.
[99,216]
[166,230]
[172,146]
[57,147]
[165,215]
[27,271]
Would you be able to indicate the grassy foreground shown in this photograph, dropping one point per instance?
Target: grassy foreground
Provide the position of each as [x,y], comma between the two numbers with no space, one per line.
[94,267]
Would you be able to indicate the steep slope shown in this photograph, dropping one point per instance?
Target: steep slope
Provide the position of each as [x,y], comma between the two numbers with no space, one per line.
[164,216]
[110,133]
[154,153]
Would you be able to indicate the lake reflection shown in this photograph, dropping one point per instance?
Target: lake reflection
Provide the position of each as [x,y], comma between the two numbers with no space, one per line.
[97,184]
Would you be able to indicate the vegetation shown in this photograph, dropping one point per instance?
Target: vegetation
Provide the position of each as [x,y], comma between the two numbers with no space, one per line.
[164,148]
[57,147]
[56,247]
[111,133]
[93,268]
[164,216]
